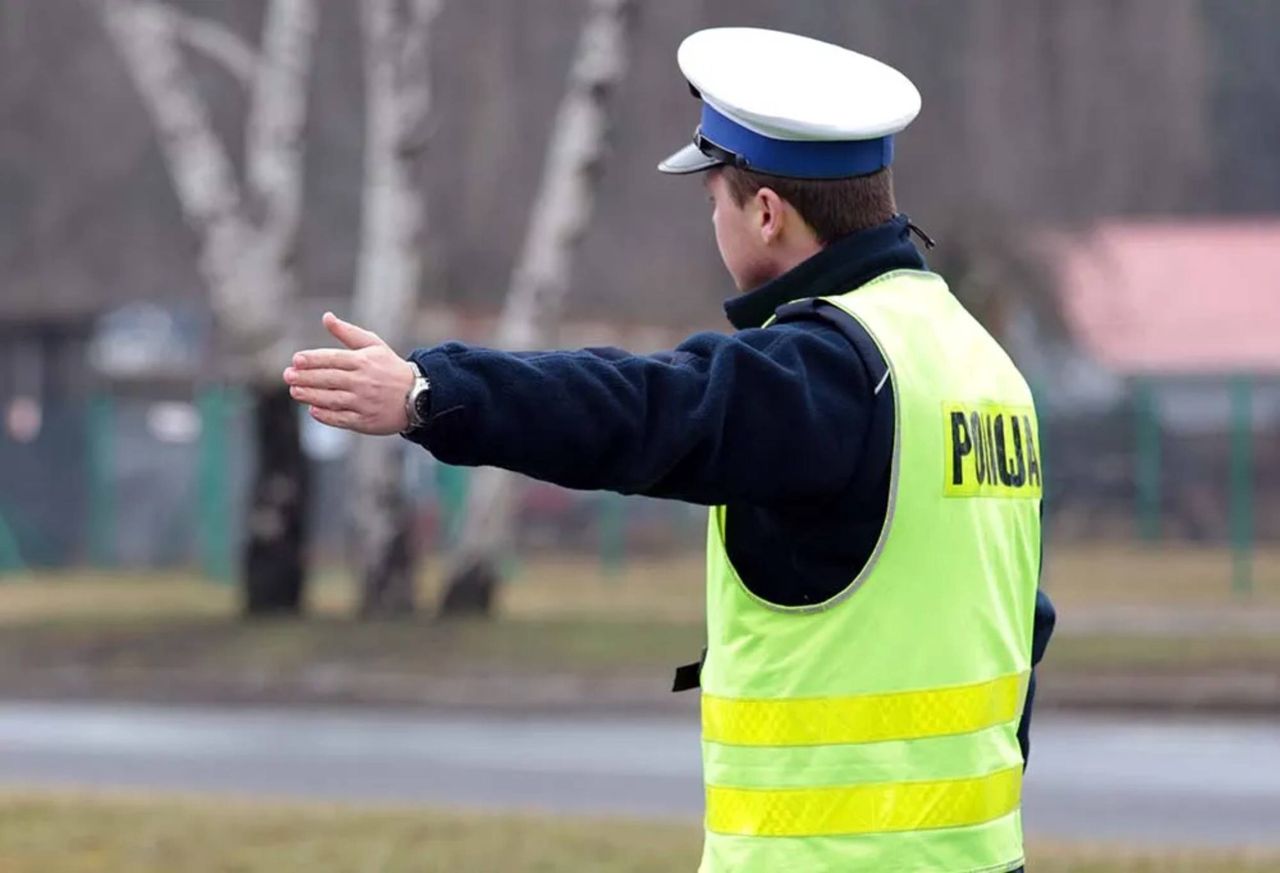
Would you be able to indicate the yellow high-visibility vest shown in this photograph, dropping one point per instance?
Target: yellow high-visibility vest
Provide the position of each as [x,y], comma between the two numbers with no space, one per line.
[878,731]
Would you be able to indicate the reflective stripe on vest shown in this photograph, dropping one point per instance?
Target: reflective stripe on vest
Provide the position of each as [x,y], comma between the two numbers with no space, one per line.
[863,809]
[878,730]
[866,718]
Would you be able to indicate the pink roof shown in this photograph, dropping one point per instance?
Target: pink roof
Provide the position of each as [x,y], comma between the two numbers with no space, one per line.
[1175,297]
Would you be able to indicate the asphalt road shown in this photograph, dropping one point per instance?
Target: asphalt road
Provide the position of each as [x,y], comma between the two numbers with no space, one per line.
[1165,781]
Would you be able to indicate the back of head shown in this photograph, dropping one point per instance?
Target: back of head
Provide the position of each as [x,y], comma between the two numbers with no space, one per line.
[833,208]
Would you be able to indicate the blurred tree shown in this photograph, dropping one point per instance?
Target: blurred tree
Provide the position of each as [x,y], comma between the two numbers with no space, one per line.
[999,274]
[539,283]
[1043,111]
[247,235]
[397,107]
[1036,113]
[1244,39]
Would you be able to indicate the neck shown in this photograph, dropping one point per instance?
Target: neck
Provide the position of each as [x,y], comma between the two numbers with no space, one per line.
[791,257]
[845,263]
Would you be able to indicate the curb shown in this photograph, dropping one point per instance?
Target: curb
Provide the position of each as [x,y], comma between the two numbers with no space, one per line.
[1237,693]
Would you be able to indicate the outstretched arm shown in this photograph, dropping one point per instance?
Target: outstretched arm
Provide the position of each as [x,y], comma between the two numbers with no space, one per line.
[761,416]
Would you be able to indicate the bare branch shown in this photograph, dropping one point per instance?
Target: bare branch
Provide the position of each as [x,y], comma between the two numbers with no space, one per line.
[277,113]
[416,35]
[565,197]
[560,214]
[143,33]
[218,43]
[393,221]
[246,264]
[397,106]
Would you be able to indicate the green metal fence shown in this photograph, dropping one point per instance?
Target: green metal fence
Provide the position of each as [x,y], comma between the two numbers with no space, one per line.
[1234,435]
[1137,471]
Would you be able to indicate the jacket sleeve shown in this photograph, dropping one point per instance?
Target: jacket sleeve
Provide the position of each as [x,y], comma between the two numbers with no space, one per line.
[763,416]
[1046,616]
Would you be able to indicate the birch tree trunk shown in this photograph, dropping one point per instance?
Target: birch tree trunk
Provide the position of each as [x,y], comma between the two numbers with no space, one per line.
[247,234]
[397,107]
[559,218]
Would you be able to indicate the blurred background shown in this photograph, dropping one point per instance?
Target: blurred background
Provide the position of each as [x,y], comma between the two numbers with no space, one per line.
[233,639]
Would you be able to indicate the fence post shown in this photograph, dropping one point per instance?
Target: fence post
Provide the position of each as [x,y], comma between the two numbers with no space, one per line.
[102,498]
[452,485]
[1242,484]
[213,471]
[1147,448]
[613,524]
[10,554]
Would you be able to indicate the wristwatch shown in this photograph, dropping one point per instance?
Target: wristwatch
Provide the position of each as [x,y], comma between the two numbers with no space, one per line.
[417,401]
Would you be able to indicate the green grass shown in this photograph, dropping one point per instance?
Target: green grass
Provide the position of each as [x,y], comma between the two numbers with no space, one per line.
[79,835]
[46,833]
[1175,653]
[116,633]
[411,645]
[588,647]
[665,589]
[1092,576]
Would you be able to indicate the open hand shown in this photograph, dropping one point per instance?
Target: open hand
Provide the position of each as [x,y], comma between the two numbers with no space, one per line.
[360,388]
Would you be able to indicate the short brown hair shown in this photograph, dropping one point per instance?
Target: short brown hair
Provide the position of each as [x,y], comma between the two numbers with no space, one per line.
[831,207]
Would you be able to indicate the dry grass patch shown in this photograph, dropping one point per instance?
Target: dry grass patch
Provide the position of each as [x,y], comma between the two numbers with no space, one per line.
[65,833]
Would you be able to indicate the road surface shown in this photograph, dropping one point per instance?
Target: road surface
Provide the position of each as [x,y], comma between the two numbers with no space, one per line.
[1165,781]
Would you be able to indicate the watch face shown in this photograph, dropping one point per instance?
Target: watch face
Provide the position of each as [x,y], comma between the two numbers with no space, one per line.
[422,400]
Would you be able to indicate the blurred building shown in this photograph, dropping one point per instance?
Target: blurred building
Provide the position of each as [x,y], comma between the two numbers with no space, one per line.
[1183,315]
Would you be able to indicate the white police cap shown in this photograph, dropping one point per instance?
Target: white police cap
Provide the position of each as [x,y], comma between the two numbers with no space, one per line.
[789,105]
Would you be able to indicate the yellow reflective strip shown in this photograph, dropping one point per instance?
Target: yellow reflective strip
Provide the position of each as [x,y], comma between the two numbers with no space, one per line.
[863,809]
[867,718]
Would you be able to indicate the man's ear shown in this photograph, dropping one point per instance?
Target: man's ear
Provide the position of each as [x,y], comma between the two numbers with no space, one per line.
[771,212]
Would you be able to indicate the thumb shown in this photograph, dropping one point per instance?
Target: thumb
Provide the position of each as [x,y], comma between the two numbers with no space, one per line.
[350,335]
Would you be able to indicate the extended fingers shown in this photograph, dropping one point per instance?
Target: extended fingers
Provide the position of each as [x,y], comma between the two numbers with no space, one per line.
[342,380]
[326,359]
[335,418]
[324,398]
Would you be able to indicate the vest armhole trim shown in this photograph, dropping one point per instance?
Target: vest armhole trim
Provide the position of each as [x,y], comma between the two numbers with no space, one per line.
[873,561]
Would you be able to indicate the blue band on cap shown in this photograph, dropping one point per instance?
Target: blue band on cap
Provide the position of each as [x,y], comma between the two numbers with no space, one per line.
[798,159]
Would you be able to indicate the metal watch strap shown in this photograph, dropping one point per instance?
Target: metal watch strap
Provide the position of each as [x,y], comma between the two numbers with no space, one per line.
[420,385]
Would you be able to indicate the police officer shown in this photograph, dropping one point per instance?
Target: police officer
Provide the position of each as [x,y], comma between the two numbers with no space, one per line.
[870,456]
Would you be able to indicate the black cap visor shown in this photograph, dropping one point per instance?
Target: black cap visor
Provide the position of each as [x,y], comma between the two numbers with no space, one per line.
[689,159]
[701,154]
